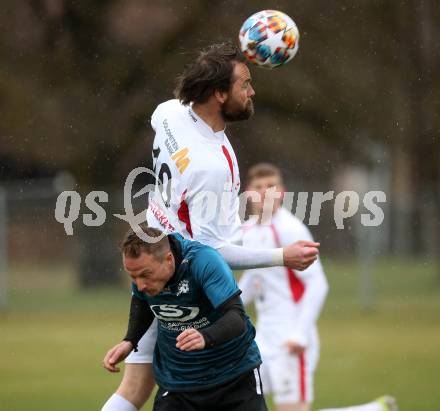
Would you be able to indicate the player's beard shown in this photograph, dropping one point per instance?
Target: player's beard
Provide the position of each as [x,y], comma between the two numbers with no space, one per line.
[231,110]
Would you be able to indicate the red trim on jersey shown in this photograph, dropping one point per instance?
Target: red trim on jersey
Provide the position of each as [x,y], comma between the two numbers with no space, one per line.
[183,214]
[228,157]
[296,285]
[302,377]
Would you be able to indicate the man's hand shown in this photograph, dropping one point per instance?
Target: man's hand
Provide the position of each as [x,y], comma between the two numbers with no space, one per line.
[190,340]
[117,354]
[293,347]
[300,255]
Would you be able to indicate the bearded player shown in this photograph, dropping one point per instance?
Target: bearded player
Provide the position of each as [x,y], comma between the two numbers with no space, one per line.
[193,156]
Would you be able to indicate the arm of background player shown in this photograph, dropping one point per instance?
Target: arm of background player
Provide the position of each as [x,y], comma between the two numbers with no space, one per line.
[316,289]
[247,287]
[315,282]
[139,320]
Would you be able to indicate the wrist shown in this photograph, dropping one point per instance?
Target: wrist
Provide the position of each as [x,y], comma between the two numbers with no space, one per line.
[278,257]
[131,344]
[209,341]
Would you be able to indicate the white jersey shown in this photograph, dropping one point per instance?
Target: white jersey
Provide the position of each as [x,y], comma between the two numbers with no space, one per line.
[196,194]
[287,302]
[199,180]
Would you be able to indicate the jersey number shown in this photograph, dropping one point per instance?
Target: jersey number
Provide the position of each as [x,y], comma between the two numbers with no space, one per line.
[163,178]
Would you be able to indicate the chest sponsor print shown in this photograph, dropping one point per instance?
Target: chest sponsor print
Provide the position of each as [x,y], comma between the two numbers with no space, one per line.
[171,312]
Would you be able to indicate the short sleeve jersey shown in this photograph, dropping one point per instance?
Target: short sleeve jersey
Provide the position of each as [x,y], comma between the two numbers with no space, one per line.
[201,284]
[198,179]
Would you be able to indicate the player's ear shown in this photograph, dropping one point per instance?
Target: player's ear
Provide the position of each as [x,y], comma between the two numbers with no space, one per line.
[169,257]
[220,96]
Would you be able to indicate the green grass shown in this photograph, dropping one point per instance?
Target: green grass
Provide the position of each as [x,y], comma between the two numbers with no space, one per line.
[53,338]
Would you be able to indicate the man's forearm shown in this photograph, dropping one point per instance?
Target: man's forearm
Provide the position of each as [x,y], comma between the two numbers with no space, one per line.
[311,304]
[243,258]
[139,321]
[230,325]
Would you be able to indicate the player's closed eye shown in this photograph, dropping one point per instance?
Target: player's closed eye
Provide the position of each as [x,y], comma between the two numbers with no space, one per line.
[246,84]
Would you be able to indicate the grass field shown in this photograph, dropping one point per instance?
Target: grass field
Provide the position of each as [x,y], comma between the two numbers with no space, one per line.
[53,338]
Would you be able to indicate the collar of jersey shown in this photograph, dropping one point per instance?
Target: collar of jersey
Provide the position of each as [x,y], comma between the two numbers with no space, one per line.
[176,249]
[275,217]
[204,129]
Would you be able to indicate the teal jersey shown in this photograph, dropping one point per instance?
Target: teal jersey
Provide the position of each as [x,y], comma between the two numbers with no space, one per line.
[200,285]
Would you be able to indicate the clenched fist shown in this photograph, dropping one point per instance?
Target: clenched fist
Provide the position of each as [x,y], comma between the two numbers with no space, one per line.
[301,254]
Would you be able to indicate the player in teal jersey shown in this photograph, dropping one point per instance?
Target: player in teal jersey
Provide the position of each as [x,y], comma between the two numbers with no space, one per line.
[205,352]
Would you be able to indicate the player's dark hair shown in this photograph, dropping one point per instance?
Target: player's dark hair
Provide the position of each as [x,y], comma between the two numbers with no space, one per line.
[211,71]
[132,245]
[261,170]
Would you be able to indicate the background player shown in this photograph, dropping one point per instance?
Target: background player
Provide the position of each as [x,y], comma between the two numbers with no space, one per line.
[288,303]
[191,155]
[192,292]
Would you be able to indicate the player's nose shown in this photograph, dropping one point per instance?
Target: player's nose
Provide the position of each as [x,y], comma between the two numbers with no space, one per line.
[251,91]
[142,287]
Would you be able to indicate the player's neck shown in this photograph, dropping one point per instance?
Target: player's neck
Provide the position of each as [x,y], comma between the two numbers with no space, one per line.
[265,218]
[210,115]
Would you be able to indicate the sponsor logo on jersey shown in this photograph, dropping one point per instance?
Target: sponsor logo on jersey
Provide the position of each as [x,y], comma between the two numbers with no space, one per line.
[167,312]
[161,217]
[191,114]
[183,287]
[170,142]
[181,159]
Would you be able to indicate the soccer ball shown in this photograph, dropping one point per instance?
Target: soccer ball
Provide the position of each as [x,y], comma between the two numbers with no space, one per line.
[269,38]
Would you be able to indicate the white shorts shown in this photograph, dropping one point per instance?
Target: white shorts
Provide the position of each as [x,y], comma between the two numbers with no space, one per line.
[289,377]
[146,345]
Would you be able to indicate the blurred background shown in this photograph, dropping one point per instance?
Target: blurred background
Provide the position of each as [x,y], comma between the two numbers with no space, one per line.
[357,109]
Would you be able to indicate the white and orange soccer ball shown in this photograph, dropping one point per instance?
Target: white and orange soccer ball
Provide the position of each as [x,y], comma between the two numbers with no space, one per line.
[269,38]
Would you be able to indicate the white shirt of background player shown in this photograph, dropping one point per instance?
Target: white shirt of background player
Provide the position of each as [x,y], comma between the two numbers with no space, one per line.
[287,302]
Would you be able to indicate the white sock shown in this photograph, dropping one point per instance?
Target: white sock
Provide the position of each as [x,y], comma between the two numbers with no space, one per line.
[118,403]
[371,406]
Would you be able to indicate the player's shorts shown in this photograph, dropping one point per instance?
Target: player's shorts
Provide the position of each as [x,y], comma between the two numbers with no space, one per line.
[244,393]
[289,377]
[146,345]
